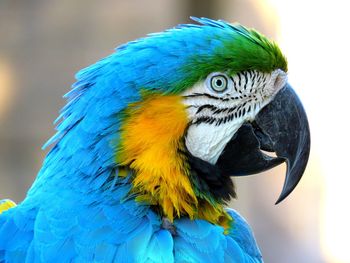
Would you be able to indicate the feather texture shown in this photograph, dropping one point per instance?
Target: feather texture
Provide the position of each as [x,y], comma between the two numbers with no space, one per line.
[80,208]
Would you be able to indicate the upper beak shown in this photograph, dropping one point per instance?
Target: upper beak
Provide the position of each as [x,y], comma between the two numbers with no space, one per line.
[281,127]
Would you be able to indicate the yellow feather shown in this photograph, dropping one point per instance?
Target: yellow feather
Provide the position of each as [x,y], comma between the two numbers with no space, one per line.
[6,205]
[151,141]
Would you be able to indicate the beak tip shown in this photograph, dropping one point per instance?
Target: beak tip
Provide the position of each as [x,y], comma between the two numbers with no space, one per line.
[278,201]
[293,177]
[280,198]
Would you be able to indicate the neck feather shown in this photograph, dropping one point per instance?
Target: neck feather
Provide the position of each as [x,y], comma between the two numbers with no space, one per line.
[151,144]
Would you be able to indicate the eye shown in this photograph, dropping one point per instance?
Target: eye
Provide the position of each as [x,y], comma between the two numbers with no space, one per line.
[218,81]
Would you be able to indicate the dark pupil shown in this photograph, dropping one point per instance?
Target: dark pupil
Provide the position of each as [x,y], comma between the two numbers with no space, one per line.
[218,82]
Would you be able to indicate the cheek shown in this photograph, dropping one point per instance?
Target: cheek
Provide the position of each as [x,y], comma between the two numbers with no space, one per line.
[207,141]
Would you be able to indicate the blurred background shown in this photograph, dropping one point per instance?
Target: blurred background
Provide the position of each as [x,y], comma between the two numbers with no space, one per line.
[44,42]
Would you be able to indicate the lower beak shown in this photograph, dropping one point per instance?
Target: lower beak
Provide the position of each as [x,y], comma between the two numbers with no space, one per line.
[281,127]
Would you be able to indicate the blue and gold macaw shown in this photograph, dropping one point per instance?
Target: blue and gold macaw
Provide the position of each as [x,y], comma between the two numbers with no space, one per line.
[141,163]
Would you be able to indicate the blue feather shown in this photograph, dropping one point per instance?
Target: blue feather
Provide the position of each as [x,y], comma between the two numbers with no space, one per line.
[161,247]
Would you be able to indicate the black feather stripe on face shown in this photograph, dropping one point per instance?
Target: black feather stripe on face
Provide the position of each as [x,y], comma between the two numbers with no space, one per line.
[243,98]
[234,112]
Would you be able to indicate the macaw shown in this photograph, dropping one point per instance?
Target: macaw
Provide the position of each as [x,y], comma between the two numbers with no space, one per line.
[140,167]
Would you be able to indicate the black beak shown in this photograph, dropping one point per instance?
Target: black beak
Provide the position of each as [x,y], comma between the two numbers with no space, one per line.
[281,127]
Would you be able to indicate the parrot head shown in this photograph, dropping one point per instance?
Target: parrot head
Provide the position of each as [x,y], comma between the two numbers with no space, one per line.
[186,109]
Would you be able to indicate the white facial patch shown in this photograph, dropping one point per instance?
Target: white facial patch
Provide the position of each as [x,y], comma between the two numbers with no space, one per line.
[207,141]
[216,113]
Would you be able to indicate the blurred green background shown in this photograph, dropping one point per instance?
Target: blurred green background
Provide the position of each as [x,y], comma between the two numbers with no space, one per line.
[44,42]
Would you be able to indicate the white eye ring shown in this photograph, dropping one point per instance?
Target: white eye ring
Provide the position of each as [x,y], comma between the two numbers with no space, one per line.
[218,82]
